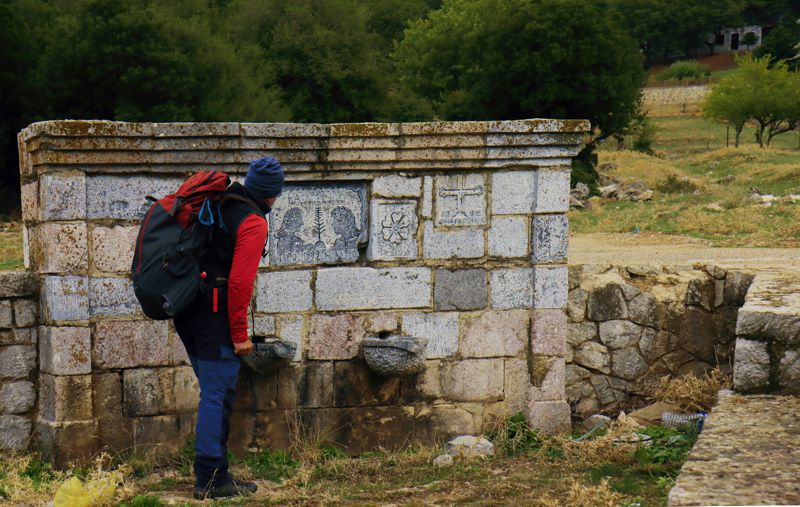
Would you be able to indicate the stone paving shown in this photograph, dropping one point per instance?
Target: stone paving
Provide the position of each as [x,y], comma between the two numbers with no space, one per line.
[748,454]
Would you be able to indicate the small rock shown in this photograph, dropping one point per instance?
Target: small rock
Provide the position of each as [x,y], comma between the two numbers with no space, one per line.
[469,446]
[575,203]
[727,179]
[608,190]
[715,206]
[713,164]
[581,190]
[646,195]
[595,420]
[651,414]
[792,198]
[443,461]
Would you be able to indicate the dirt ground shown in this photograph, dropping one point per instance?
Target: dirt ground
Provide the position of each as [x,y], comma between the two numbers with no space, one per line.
[650,249]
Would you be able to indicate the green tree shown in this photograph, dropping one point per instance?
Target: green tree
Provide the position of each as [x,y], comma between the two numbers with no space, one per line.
[781,43]
[684,69]
[669,28]
[480,59]
[767,95]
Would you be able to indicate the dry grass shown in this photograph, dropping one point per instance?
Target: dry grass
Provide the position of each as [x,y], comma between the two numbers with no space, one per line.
[583,495]
[10,246]
[692,393]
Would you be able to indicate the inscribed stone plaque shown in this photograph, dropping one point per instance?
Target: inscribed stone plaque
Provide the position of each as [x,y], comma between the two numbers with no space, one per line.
[461,200]
[394,230]
[318,224]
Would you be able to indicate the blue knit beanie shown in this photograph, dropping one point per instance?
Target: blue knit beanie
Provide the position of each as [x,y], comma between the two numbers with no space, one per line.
[264,178]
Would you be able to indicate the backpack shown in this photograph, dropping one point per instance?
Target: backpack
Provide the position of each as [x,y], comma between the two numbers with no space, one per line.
[166,270]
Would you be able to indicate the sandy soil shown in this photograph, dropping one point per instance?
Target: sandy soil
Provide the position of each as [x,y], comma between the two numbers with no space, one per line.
[651,249]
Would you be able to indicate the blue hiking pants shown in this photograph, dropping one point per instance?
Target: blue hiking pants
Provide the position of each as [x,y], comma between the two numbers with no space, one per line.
[217,380]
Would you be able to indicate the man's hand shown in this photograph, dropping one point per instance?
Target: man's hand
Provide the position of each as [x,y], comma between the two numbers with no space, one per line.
[243,348]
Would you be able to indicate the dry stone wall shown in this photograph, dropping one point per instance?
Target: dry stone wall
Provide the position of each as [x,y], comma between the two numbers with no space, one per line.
[628,326]
[454,232]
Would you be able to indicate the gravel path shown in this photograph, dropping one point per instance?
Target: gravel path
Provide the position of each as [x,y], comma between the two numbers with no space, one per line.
[631,249]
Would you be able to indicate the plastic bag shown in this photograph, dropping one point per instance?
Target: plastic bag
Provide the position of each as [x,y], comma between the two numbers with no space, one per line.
[97,492]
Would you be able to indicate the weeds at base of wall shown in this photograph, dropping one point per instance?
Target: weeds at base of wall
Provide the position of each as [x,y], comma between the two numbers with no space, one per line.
[527,468]
[691,393]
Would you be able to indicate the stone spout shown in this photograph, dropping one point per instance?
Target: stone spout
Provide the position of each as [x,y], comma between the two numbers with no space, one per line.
[395,356]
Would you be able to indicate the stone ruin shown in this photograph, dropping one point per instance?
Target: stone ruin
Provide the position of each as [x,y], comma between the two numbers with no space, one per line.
[453,234]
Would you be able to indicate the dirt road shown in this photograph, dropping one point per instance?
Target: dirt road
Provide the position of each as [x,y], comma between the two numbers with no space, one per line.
[651,249]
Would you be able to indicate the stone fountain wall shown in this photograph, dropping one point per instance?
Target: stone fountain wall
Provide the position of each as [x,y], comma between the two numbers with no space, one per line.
[450,231]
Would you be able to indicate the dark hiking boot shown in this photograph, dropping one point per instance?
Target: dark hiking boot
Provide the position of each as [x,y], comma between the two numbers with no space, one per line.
[227,490]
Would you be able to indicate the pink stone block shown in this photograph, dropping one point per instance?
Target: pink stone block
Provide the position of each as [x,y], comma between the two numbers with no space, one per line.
[335,337]
[549,332]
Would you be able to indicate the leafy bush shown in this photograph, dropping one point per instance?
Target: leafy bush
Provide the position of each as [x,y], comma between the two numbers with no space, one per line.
[668,445]
[644,136]
[514,437]
[684,69]
[674,184]
[143,501]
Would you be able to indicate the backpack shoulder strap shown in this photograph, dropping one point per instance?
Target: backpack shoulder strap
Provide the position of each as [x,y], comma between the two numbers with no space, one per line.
[228,197]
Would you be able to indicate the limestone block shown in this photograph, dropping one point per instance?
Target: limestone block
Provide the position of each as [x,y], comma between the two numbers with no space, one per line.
[460,290]
[114,430]
[550,287]
[473,379]
[264,325]
[17,361]
[461,244]
[65,298]
[495,334]
[577,382]
[508,237]
[62,196]
[25,312]
[67,398]
[319,223]
[62,443]
[335,337]
[59,247]
[123,197]
[701,291]
[448,421]
[308,386]
[30,201]
[131,344]
[655,344]
[284,291]
[576,304]
[751,366]
[645,310]
[178,355]
[383,322]
[697,333]
[460,200]
[609,389]
[512,288]
[426,207]
[26,248]
[290,328]
[15,432]
[549,332]
[581,332]
[396,186]
[356,385]
[6,315]
[789,375]
[112,248]
[550,235]
[549,417]
[548,378]
[424,386]
[440,329]
[17,397]
[256,392]
[629,291]
[607,303]
[513,193]
[17,284]
[393,230]
[628,363]
[112,297]
[594,356]
[736,286]
[618,334]
[148,391]
[765,321]
[185,389]
[676,359]
[552,191]
[373,289]
[516,385]
[65,350]
[7,337]
[162,435]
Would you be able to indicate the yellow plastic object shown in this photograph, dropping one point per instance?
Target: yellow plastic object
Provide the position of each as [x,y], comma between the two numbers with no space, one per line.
[95,493]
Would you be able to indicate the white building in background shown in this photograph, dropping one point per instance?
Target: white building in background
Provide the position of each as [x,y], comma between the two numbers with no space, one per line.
[733,39]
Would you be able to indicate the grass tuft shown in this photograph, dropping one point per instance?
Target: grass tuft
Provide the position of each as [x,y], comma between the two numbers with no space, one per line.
[692,393]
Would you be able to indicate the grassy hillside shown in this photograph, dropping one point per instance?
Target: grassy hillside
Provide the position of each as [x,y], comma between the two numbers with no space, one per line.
[691,147]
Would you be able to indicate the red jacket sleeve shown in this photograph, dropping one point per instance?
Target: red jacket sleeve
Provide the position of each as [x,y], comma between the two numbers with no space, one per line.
[250,240]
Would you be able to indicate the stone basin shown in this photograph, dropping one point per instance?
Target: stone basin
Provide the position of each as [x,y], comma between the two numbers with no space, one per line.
[395,355]
[270,354]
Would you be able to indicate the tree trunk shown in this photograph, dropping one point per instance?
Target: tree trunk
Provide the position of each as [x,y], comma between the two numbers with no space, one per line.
[739,129]
[760,133]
